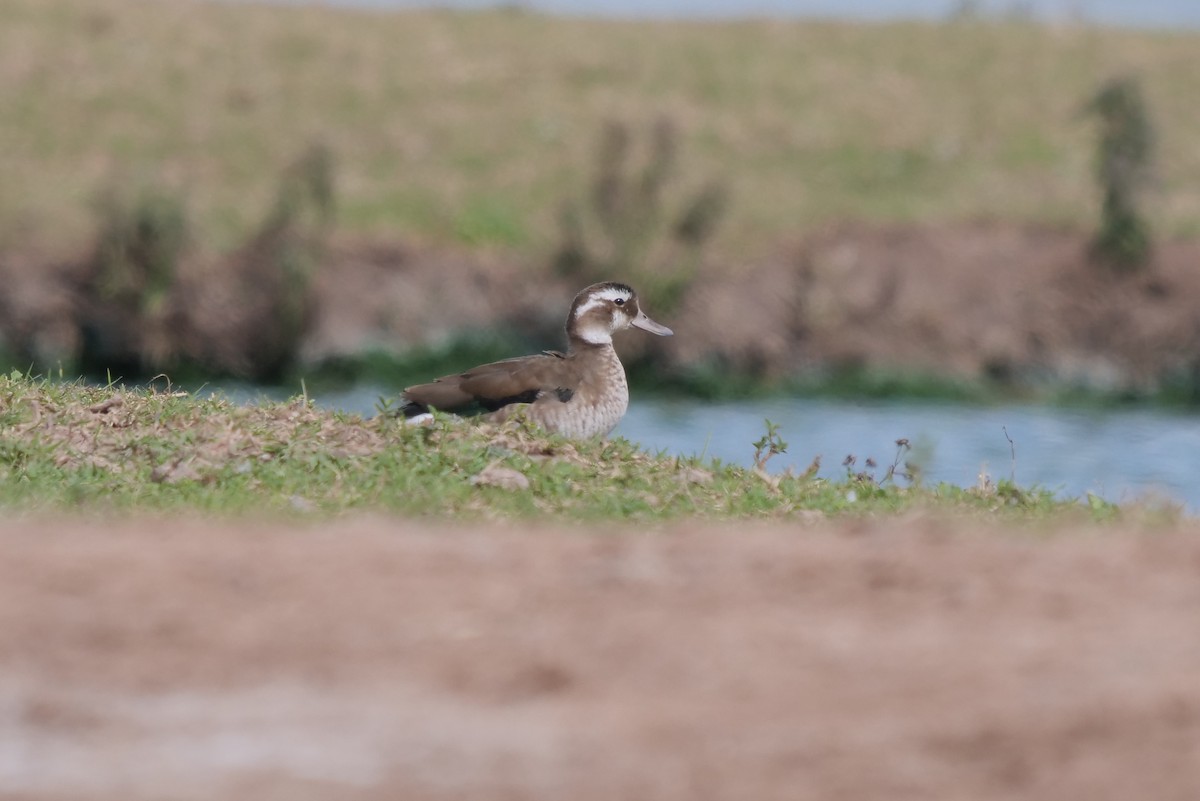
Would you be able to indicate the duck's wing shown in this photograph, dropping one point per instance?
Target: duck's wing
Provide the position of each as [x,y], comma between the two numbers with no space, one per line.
[492,386]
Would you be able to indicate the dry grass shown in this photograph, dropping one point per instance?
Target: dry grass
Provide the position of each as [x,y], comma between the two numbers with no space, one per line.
[70,446]
[476,125]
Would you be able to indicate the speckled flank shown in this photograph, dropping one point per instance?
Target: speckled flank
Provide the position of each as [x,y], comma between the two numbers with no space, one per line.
[593,410]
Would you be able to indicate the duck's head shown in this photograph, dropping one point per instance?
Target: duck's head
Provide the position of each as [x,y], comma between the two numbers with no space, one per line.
[601,310]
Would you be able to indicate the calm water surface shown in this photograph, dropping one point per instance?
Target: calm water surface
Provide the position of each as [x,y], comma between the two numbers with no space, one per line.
[1120,455]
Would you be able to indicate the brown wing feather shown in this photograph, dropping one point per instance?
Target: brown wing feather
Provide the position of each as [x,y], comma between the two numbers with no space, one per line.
[499,383]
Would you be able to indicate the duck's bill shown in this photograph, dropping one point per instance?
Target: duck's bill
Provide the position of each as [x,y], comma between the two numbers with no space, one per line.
[646,324]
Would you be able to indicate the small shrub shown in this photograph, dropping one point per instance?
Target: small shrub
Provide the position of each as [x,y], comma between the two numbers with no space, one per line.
[141,240]
[1123,170]
[629,229]
[244,315]
[769,445]
[277,265]
[128,281]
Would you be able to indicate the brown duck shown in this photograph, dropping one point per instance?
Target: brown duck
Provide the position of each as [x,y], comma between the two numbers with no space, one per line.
[581,393]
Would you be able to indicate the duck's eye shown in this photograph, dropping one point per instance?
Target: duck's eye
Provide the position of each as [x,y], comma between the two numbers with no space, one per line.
[619,301]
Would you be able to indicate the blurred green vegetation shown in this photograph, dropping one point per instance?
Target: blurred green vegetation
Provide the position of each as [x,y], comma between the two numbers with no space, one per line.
[475,127]
[481,129]
[635,223]
[1124,170]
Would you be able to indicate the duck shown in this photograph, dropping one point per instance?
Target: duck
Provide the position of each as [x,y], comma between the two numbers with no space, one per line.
[579,394]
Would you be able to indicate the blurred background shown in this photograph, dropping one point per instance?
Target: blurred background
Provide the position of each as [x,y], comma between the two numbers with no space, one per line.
[973,225]
[1157,13]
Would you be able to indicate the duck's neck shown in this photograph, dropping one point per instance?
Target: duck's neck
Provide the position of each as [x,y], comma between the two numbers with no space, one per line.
[602,377]
[582,344]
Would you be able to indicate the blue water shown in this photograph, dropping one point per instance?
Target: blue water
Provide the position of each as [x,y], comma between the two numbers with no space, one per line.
[1119,455]
[1146,13]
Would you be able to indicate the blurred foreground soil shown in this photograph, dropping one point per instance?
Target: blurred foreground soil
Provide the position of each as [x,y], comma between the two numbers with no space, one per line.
[908,658]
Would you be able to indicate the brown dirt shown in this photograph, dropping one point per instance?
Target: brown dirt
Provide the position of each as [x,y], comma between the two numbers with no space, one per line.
[987,300]
[1017,303]
[375,658]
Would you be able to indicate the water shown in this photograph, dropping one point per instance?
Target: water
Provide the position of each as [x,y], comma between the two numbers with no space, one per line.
[1145,13]
[1120,455]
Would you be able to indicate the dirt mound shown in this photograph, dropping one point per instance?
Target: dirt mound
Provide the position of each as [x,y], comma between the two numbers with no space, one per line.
[382,295]
[1016,304]
[386,659]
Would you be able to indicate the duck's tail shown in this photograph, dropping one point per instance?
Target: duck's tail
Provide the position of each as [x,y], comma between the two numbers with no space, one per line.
[410,409]
[411,412]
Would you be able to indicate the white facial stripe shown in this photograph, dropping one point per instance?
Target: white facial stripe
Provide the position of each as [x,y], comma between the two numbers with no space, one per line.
[608,294]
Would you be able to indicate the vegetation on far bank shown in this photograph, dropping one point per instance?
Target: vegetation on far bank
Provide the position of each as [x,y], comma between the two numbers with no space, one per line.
[197,189]
[66,446]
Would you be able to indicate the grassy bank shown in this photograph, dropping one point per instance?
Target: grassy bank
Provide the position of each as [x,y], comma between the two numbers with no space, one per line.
[474,127]
[70,447]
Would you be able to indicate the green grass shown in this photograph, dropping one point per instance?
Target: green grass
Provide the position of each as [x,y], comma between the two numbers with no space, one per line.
[68,446]
[476,126]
